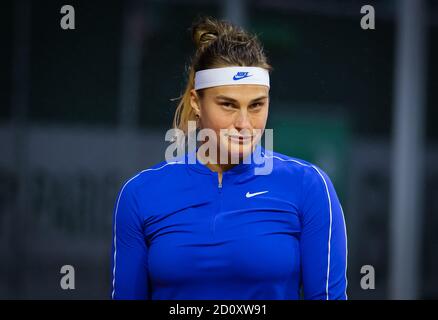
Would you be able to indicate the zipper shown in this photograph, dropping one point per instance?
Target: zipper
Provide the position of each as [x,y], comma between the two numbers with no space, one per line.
[219,188]
[220,182]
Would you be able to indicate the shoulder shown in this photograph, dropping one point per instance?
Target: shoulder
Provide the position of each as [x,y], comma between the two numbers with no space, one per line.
[316,188]
[286,162]
[308,171]
[153,175]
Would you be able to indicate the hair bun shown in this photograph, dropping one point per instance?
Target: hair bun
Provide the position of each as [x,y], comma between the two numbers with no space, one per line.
[203,38]
[205,31]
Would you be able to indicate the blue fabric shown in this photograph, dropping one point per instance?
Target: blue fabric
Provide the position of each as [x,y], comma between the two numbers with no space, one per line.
[178,235]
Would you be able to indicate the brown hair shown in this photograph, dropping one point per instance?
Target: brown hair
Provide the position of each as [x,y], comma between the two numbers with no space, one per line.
[218,44]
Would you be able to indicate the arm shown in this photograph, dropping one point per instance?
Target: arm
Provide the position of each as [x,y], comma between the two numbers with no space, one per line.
[129,249]
[323,241]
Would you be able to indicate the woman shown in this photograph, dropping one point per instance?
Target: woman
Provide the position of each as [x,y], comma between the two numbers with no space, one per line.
[214,229]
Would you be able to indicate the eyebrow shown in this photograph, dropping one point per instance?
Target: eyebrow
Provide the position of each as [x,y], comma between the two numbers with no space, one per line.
[221,97]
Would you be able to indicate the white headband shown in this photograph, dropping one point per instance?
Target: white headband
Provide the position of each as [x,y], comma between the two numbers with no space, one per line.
[231,76]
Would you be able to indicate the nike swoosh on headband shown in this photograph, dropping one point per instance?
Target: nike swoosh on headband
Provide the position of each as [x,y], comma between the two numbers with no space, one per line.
[241,75]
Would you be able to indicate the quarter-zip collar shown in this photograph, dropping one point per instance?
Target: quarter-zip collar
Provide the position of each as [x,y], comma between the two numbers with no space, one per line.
[250,163]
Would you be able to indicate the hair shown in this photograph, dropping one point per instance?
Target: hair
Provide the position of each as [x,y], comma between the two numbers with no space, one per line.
[218,44]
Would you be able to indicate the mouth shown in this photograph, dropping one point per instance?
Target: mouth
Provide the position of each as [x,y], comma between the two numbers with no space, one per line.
[240,139]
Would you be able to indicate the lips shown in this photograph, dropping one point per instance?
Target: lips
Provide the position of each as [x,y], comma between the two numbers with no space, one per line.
[241,139]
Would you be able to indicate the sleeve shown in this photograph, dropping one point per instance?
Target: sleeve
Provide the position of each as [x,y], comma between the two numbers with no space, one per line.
[323,240]
[129,249]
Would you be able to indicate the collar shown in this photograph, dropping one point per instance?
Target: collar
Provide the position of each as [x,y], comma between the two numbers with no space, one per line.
[253,160]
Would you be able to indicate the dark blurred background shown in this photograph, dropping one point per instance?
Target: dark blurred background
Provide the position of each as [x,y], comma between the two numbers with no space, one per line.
[82,110]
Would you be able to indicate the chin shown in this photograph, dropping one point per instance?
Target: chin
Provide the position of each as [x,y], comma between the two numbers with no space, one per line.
[240,151]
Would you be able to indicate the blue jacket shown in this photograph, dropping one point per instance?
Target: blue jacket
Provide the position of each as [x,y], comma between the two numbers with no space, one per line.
[178,234]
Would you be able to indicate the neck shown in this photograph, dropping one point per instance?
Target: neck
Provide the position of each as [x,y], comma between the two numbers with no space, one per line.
[216,167]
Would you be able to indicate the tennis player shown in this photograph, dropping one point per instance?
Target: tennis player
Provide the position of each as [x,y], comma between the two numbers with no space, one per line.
[213,229]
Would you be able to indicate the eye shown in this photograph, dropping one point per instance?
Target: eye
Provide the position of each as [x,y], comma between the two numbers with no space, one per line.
[227,105]
[257,105]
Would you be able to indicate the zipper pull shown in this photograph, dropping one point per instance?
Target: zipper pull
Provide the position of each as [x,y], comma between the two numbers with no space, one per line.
[219,179]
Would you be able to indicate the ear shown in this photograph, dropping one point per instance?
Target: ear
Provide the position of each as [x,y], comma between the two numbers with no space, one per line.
[194,102]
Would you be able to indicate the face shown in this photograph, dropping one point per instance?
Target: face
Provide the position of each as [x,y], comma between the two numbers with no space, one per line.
[242,110]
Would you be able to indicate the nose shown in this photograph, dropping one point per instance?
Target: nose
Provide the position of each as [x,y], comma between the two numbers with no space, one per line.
[242,121]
